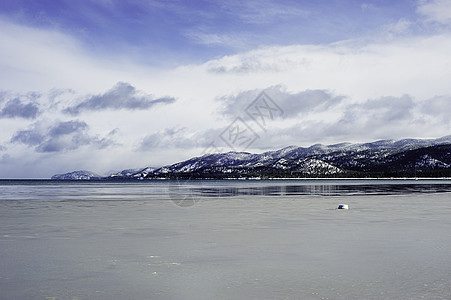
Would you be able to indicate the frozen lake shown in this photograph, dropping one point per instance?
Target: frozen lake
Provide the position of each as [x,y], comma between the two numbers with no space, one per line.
[281,239]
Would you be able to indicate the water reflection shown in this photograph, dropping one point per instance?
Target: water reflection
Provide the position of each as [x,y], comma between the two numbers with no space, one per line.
[318,189]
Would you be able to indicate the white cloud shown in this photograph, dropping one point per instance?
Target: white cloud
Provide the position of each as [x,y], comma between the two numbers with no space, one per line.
[381,118]
[357,90]
[367,7]
[215,39]
[19,106]
[436,10]
[397,29]
[169,138]
[292,105]
[38,59]
[413,65]
[263,12]
[121,96]
[60,137]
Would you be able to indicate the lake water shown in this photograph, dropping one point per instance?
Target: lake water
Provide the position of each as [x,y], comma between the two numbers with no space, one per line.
[281,239]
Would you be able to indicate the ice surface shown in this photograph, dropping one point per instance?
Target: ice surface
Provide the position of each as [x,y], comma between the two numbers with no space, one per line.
[239,240]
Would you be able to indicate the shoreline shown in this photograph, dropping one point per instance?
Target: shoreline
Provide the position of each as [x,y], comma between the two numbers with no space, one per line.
[234,179]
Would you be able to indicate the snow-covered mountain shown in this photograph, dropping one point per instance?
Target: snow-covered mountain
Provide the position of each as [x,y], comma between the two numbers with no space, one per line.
[131,173]
[77,175]
[408,157]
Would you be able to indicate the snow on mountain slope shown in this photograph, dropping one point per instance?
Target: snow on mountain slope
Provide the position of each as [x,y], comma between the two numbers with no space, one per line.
[321,160]
[77,175]
[317,167]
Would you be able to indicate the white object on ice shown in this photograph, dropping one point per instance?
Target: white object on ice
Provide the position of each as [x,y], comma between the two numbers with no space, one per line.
[343,206]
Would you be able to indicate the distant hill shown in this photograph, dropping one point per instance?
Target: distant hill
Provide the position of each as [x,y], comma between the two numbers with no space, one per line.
[77,175]
[386,158]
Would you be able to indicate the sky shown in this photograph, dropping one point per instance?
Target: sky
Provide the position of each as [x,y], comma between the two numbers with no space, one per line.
[108,85]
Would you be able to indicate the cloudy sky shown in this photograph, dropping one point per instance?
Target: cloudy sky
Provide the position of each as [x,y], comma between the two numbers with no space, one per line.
[106,85]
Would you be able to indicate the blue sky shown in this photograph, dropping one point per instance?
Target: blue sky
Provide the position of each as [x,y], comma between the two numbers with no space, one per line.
[107,85]
[195,31]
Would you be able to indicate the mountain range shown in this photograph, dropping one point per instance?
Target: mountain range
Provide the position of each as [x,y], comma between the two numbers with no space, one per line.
[385,158]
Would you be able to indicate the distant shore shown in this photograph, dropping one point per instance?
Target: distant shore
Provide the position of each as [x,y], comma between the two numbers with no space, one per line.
[106,179]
